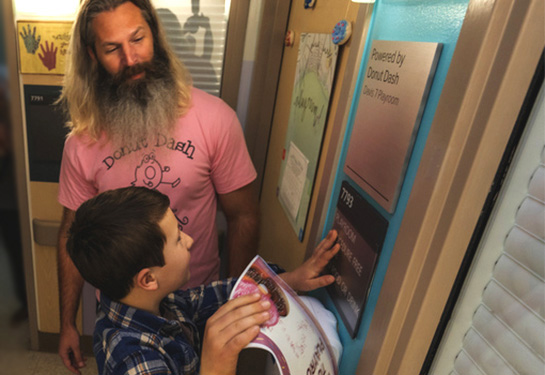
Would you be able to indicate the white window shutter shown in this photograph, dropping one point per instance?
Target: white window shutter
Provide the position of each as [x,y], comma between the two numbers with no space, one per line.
[507,334]
[197,31]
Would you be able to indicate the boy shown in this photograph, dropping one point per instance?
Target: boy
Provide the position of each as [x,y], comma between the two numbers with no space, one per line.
[126,243]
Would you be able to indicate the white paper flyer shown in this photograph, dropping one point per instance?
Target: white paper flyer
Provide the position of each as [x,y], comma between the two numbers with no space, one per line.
[291,335]
[293,180]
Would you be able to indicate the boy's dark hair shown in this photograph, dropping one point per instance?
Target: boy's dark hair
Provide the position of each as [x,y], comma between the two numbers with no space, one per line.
[115,235]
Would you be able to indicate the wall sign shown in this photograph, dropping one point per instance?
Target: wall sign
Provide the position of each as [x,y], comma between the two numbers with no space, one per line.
[46,132]
[395,89]
[361,230]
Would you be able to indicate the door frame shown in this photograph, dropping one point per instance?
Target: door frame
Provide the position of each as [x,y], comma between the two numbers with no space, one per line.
[21,162]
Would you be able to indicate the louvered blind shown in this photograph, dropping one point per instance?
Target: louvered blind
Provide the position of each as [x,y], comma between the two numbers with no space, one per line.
[507,335]
[197,30]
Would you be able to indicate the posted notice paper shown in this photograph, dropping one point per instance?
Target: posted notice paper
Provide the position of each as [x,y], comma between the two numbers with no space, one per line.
[293,181]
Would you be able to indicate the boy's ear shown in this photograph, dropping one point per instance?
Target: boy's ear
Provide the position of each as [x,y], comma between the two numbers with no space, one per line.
[146,280]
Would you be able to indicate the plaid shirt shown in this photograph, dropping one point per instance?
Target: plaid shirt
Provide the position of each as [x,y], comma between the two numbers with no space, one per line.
[132,341]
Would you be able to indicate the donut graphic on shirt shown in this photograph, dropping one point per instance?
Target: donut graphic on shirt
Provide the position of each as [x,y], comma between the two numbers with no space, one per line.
[256,282]
[150,173]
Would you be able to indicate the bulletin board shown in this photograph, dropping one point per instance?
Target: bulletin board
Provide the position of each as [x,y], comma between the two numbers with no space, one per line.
[43,46]
[315,69]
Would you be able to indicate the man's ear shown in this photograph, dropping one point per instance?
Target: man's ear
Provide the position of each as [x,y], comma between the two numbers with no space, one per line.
[91,53]
[146,280]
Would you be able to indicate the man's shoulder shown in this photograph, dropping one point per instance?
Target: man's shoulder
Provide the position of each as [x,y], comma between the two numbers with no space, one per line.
[204,103]
[209,114]
[83,139]
[200,96]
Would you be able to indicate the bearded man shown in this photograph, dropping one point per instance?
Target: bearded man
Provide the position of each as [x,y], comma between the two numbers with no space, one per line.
[136,120]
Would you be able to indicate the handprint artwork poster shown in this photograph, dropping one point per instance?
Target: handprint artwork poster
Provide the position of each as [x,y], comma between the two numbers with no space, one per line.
[43,46]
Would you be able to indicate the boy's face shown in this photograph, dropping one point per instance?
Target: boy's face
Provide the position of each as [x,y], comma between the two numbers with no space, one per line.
[175,273]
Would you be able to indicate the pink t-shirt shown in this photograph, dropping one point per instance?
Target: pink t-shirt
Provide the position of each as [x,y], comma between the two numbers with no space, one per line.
[206,155]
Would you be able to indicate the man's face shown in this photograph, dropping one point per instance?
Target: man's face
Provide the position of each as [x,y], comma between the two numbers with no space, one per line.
[175,273]
[134,82]
[123,40]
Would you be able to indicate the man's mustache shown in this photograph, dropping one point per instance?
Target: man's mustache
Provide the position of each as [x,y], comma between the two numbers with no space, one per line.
[128,72]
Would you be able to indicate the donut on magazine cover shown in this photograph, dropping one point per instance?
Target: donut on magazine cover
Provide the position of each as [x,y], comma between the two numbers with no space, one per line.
[254,281]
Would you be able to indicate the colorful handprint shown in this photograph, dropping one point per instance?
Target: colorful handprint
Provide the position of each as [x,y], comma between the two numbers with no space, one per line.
[31,42]
[49,57]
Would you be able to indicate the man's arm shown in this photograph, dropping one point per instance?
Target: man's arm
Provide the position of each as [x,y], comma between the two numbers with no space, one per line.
[242,213]
[70,287]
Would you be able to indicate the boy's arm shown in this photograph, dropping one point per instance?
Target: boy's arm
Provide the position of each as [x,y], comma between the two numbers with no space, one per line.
[202,302]
[229,330]
[307,277]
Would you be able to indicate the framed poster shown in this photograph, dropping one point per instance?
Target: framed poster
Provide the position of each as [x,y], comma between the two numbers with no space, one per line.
[397,80]
[43,46]
[315,69]
[361,231]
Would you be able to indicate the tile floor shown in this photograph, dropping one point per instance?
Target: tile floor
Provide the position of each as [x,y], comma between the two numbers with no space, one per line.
[15,356]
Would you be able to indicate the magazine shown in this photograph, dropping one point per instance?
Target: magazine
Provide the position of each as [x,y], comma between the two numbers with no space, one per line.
[292,334]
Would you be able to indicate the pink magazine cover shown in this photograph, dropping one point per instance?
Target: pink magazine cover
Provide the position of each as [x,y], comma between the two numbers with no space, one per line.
[292,334]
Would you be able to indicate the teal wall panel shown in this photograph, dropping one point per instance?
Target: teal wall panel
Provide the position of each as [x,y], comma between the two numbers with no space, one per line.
[437,21]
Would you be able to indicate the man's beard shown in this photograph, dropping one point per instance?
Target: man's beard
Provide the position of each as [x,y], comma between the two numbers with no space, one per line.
[133,110]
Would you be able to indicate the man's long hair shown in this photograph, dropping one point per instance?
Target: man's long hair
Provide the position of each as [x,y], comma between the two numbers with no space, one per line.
[78,95]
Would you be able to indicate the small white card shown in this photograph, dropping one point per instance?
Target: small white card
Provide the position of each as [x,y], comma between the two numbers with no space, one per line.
[293,181]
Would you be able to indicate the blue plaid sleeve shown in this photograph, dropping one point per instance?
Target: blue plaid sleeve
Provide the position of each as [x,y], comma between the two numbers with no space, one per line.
[139,362]
[207,300]
[276,268]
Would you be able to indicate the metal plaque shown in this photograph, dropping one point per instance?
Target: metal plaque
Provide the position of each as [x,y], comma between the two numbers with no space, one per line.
[395,89]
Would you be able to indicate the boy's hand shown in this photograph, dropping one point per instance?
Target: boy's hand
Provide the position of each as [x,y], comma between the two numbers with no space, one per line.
[229,330]
[307,277]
